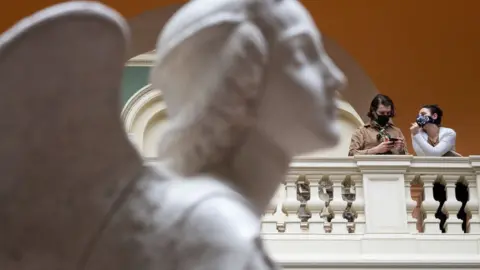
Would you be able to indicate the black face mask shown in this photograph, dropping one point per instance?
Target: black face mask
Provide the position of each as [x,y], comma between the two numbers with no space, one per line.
[422,120]
[382,120]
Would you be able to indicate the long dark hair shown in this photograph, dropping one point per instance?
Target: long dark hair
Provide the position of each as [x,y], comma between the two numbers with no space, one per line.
[378,100]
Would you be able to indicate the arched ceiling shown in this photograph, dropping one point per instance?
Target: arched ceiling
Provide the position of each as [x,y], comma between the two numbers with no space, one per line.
[417,52]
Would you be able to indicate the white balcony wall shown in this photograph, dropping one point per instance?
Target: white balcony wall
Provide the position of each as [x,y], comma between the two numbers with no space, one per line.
[376,211]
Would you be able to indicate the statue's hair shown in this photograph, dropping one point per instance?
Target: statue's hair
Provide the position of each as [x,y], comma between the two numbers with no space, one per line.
[210,82]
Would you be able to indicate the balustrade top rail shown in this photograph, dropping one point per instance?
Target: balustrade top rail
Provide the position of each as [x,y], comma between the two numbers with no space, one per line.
[387,164]
[382,164]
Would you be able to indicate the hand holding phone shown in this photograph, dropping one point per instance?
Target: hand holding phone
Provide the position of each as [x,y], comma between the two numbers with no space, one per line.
[383,147]
[398,143]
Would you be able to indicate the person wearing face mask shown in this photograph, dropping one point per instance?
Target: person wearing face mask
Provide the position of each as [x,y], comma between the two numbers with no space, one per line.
[379,136]
[429,138]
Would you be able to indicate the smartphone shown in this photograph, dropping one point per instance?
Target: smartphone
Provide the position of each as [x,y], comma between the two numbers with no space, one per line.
[393,140]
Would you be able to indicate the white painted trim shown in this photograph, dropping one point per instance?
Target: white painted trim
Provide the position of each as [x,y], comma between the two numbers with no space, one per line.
[142,98]
[142,60]
[414,165]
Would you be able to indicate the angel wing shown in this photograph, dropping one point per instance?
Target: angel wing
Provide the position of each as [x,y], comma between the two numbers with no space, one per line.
[64,156]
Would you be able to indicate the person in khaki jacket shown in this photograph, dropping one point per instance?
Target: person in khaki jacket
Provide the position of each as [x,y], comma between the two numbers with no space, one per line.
[379,136]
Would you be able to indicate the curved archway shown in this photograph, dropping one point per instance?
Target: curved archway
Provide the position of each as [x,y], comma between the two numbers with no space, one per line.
[145,113]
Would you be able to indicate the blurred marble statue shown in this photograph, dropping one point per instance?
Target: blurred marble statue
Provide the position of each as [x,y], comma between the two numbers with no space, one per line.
[248,86]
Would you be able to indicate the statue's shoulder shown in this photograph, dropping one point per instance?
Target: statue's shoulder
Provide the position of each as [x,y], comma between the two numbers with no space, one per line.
[185,195]
[174,198]
[215,226]
[166,216]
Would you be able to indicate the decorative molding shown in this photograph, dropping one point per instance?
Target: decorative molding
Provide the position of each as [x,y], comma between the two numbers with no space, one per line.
[387,164]
[142,60]
[475,163]
[323,165]
[139,101]
[348,112]
[133,100]
[383,163]
[390,163]
[410,251]
[442,165]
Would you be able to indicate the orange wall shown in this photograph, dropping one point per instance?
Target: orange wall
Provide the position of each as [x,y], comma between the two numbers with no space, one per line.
[415,51]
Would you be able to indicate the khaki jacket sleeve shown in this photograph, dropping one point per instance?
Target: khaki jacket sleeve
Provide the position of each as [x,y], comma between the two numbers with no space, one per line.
[357,144]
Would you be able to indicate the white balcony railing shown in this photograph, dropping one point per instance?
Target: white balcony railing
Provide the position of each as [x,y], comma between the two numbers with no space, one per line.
[377,211]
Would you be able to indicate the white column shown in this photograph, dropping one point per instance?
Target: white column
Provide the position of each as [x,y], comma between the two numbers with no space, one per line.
[384,193]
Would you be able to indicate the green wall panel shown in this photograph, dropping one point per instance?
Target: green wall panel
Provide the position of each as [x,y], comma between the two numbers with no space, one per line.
[134,79]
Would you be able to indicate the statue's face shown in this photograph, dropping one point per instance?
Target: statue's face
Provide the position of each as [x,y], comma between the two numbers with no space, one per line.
[299,108]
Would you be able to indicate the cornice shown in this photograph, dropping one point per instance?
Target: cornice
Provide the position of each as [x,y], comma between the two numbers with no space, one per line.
[376,164]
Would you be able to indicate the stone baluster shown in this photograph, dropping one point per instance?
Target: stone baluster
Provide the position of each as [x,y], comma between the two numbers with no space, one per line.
[440,195]
[472,205]
[430,205]
[338,205]
[291,205]
[315,205]
[349,196]
[303,196]
[462,194]
[453,205]
[326,193]
[275,215]
[416,192]
[359,204]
